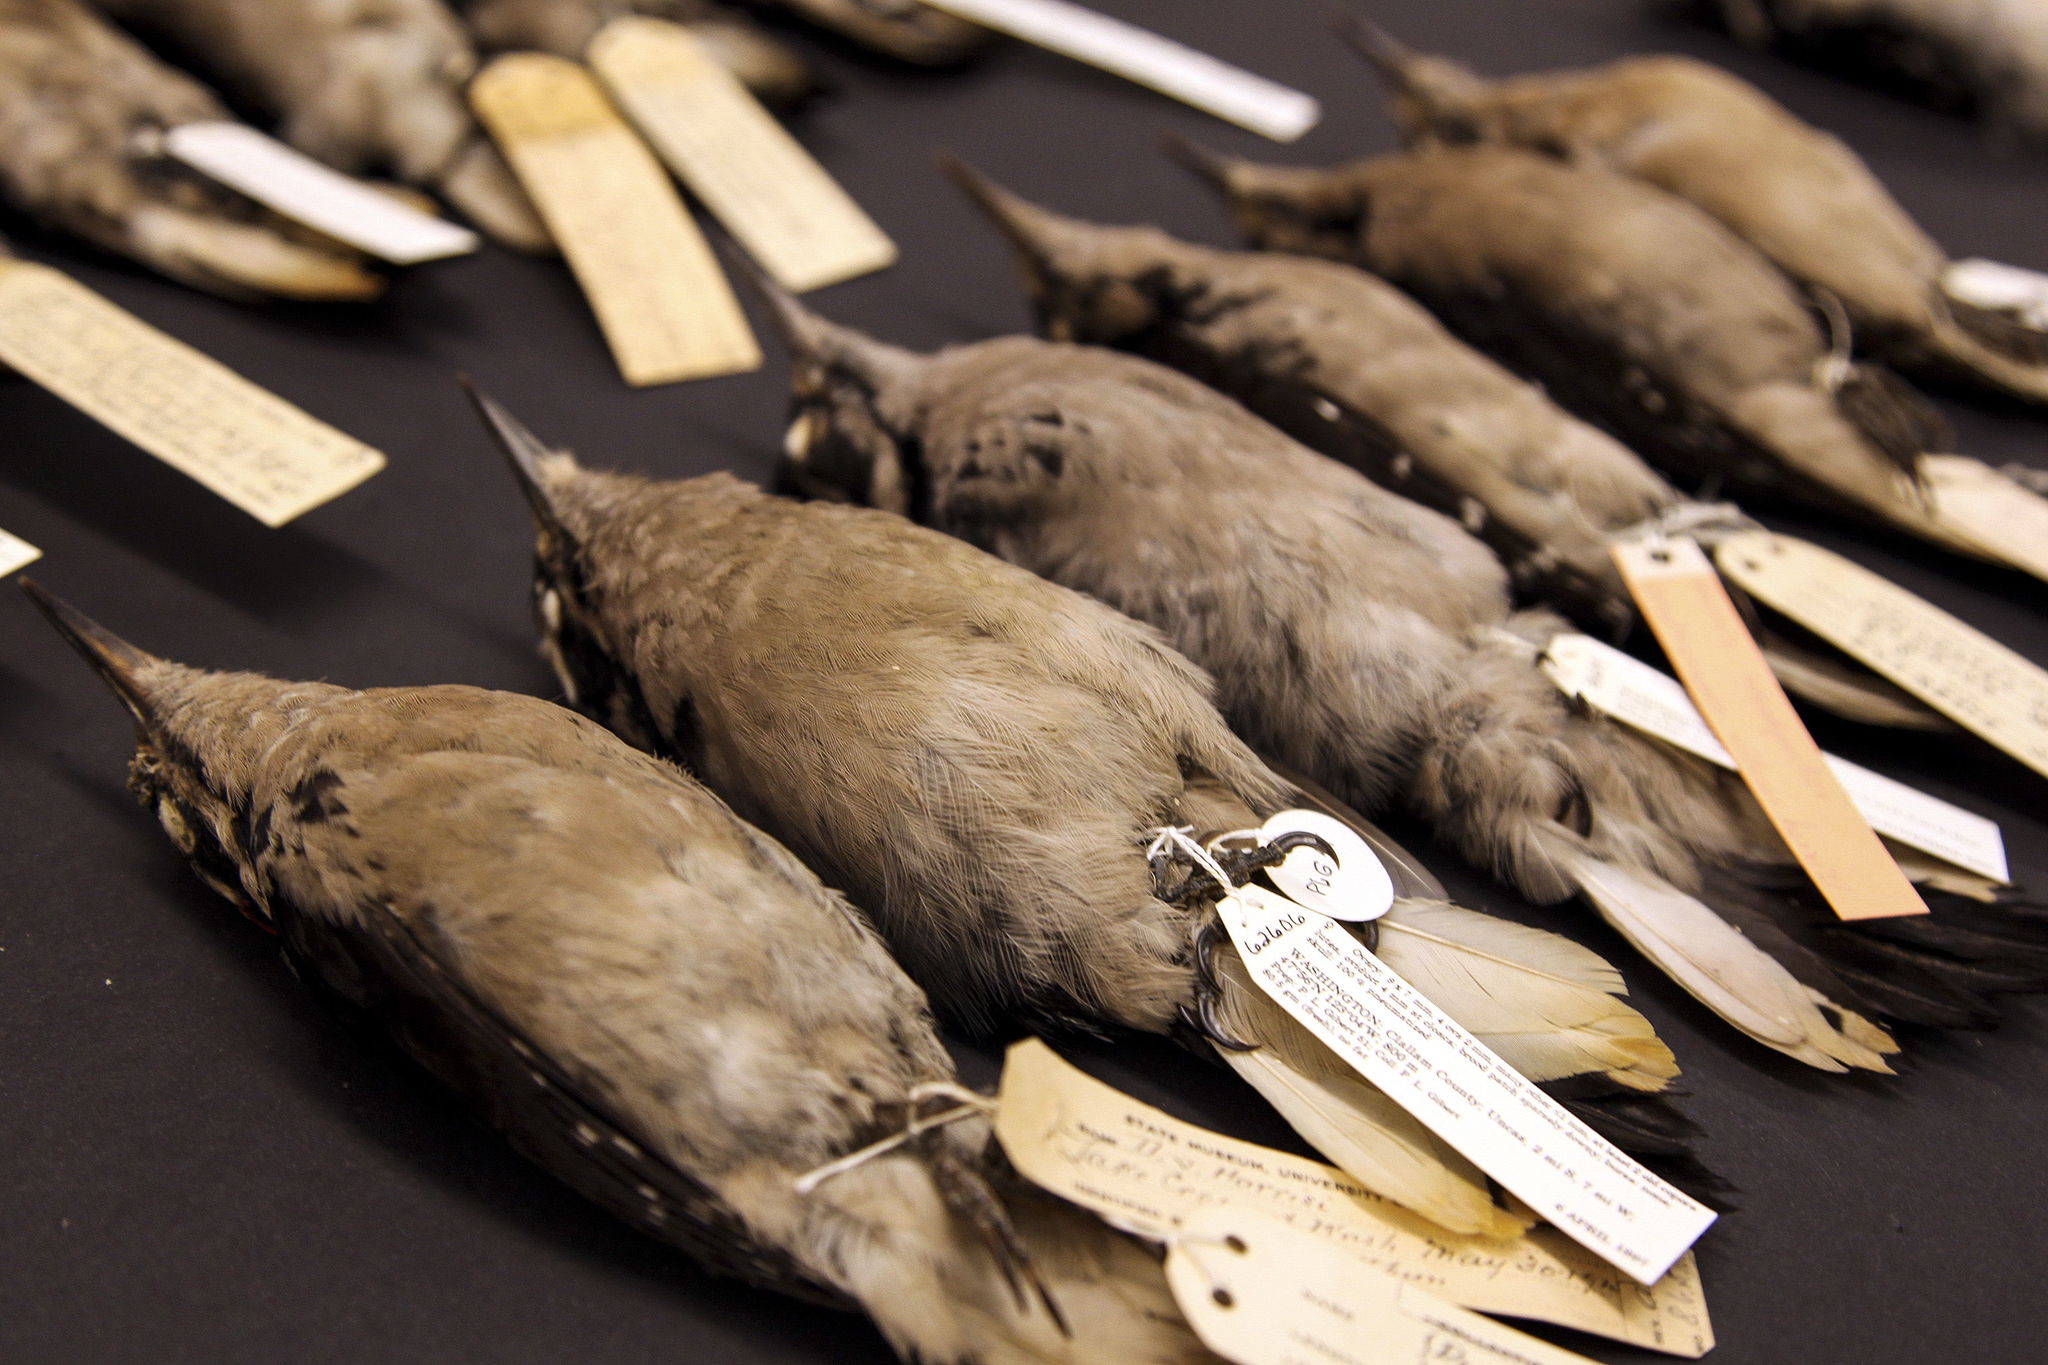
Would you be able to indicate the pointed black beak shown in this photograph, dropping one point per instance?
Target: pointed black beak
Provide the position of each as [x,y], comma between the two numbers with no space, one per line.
[119,664]
[522,450]
[1212,167]
[1392,58]
[1029,227]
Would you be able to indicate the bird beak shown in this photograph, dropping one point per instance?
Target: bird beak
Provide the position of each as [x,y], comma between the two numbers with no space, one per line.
[119,664]
[1392,58]
[525,452]
[1035,232]
[826,346]
[1212,167]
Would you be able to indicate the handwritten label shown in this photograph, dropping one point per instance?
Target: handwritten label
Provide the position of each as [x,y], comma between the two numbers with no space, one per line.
[666,308]
[1348,883]
[1260,1293]
[775,198]
[190,411]
[322,198]
[1456,1087]
[1959,671]
[2004,288]
[1983,505]
[1157,63]
[1642,697]
[16,553]
[1688,609]
[1149,1172]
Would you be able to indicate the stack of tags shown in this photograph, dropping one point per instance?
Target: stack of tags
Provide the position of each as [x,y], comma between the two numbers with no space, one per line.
[1688,609]
[1399,1275]
[193,413]
[1300,954]
[666,309]
[1961,672]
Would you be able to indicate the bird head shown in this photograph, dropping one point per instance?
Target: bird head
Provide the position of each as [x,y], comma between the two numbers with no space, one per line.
[1303,209]
[199,737]
[1435,100]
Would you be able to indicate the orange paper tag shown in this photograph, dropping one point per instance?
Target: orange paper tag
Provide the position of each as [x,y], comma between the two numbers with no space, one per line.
[1682,598]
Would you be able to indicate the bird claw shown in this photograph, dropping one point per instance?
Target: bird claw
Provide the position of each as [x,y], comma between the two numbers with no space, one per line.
[1200,1017]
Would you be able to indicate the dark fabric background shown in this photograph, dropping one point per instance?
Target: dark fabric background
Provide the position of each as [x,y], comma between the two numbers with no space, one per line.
[196,1165]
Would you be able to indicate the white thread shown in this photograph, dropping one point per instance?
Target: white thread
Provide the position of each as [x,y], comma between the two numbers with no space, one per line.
[1180,837]
[967,1104]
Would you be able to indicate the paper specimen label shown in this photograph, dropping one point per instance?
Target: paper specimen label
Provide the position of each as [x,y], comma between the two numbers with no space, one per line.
[1976,501]
[322,198]
[1457,1088]
[1161,64]
[187,409]
[1149,1172]
[1725,674]
[791,216]
[1260,1293]
[16,553]
[1959,671]
[1996,285]
[1348,883]
[1642,697]
[666,308]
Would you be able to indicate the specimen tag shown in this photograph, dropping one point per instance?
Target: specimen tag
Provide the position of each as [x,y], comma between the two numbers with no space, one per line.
[769,192]
[16,553]
[1978,502]
[1959,671]
[187,409]
[1651,701]
[665,306]
[1353,885]
[1158,63]
[322,198]
[2004,288]
[1260,1293]
[1148,1172]
[1456,1087]
[1687,607]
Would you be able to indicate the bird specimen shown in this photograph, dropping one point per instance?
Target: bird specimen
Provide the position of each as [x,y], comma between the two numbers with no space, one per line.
[902,29]
[1796,194]
[82,110]
[1348,365]
[769,67]
[650,998]
[980,759]
[1630,306]
[1369,641]
[366,86]
[1987,55]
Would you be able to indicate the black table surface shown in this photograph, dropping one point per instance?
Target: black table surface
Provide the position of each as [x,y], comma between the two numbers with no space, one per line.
[197,1164]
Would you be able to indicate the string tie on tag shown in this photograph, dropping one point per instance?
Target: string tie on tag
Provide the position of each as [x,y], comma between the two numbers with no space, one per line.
[966,1104]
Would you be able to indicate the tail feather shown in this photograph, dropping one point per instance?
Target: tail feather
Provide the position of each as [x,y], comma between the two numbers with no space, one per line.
[1727,972]
[1354,1125]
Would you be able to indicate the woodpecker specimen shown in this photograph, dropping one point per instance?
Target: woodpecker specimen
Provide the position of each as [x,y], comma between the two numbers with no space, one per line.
[981,758]
[82,109]
[1990,56]
[1630,306]
[649,997]
[1348,365]
[367,86]
[1369,641]
[776,73]
[1796,194]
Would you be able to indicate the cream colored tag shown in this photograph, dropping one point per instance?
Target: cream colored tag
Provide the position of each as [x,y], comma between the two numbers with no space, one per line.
[1159,63]
[1959,671]
[664,305]
[16,553]
[1725,674]
[1977,502]
[1260,1293]
[1148,1172]
[1648,700]
[1455,1086]
[790,215]
[1995,285]
[190,411]
[322,198]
